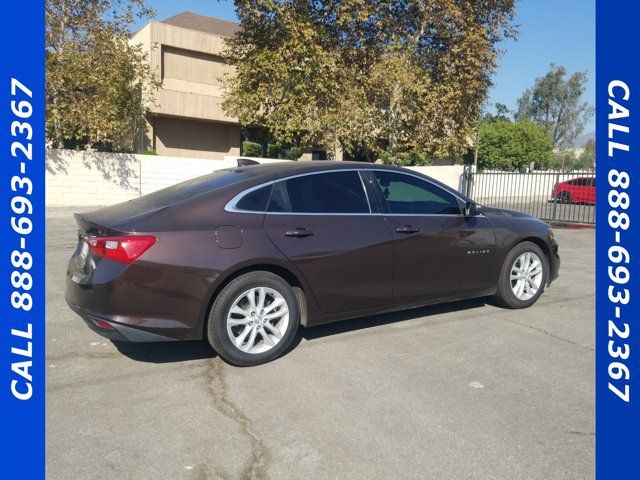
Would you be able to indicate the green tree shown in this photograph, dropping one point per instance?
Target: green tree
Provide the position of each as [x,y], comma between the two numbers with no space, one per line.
[394,77]
[502,113]
[285,79]
[588,156]
[96,82]
[568,160]
[512,146]
[556,103]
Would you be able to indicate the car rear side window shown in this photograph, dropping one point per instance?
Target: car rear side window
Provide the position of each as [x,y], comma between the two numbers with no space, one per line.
[406,194]
[255,201]
[334,192]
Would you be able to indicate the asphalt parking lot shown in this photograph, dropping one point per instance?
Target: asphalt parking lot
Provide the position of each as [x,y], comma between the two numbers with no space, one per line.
[458,391]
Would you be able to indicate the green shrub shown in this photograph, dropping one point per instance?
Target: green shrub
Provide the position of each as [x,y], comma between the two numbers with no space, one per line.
[272,150]
[511,146]
[294,153]
[406,159]
[414,159]
[386,158]
[149,152]
[251,149]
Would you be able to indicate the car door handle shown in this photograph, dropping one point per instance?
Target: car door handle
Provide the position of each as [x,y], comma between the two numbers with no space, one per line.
[299,232]
[407,229]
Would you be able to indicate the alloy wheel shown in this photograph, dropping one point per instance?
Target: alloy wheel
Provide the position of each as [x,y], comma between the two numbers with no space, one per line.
[526,276]
[257,320]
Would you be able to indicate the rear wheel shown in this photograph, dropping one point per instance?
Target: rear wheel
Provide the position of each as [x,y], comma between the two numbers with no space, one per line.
[523,276]
[254,319]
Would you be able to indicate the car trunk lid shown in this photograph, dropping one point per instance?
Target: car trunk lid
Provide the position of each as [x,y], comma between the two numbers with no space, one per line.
[112,220]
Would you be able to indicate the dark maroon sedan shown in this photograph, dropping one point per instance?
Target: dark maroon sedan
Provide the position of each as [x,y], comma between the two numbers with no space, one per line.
[243,256]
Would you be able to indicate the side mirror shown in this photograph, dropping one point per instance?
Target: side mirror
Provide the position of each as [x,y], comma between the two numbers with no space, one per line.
[472,209]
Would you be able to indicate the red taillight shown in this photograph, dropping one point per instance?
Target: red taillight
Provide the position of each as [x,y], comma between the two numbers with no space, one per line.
[125,249]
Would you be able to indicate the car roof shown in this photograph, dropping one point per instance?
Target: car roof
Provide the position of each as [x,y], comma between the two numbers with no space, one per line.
[281,169]
[266,172]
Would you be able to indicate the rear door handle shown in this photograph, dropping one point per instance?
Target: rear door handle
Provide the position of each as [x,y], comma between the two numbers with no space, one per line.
[407,229]
[299,232]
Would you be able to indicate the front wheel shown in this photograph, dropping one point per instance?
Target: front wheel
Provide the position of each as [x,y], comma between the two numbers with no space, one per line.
[254,319]
[563,197]
[523,276]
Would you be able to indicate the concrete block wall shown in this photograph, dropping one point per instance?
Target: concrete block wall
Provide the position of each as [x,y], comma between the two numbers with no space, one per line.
[79,179]
[450,175]
[160,172]
[91,179]
[88,179]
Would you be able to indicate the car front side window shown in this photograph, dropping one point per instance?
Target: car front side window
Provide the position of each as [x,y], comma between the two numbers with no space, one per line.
[406,194]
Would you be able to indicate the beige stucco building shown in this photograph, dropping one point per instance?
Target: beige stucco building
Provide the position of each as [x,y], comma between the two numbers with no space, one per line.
[186,118]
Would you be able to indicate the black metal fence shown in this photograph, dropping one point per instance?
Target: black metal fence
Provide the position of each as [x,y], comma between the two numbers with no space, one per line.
[551,196]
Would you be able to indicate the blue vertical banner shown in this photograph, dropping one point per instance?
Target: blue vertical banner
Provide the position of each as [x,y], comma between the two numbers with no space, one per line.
[22,232]
[618,240]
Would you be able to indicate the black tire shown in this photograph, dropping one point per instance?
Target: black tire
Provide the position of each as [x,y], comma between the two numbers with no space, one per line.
[217,322]
[564,197]
[505,295]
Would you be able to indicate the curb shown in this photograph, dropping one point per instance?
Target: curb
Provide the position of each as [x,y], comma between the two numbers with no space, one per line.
[573,226]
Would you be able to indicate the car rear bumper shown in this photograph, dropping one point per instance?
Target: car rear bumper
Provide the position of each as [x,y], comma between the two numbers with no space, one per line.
[135,302]
[113,330]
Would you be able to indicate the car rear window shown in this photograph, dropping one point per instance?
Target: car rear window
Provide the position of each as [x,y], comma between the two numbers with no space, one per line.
[190,188]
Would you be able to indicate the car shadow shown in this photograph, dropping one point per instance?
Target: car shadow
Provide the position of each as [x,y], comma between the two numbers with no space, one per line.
[166,352]
[171,352]
[360,323]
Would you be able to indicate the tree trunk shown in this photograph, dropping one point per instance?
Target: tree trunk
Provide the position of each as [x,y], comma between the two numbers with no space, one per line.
[396,94]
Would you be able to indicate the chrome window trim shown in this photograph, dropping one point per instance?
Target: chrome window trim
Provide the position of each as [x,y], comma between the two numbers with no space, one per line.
[231,204]
[372,214]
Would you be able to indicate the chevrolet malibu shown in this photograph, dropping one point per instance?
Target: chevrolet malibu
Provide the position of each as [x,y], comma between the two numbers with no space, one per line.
[242,257]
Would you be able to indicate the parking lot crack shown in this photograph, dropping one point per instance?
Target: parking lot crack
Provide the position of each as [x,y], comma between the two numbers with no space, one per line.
[78,355]
[256,470]
[557,337]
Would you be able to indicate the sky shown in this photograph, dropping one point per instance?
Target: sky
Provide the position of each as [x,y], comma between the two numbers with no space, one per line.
[550,31]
